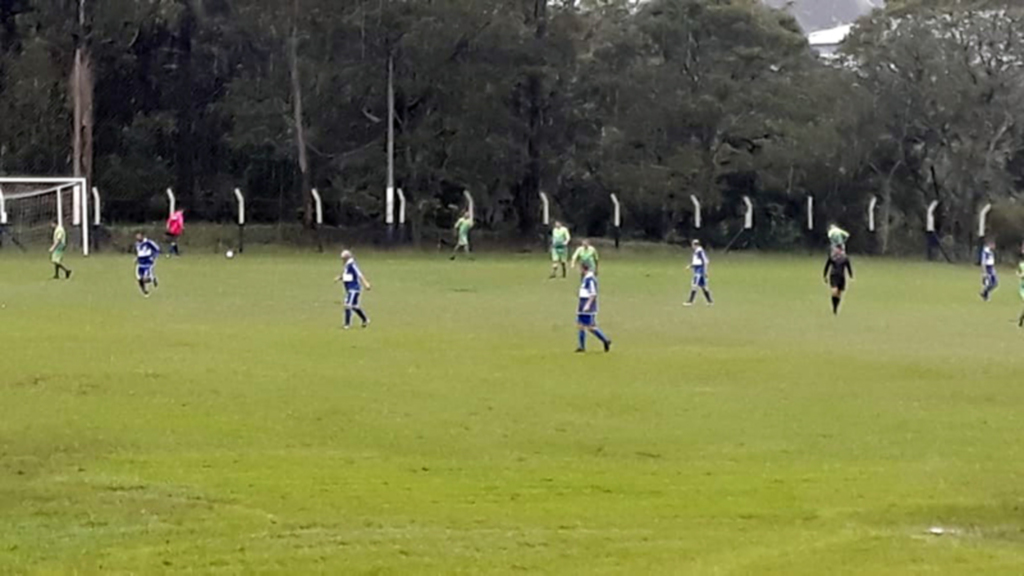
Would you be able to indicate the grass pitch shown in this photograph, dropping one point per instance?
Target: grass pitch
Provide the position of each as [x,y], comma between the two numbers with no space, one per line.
[227,425]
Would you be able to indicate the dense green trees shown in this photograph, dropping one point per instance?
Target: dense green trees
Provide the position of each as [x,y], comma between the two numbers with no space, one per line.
[653,101]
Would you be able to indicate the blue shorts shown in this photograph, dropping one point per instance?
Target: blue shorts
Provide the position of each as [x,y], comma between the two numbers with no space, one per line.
[588,320]
[990,279]
[352,298]
[144,272]
[700,280]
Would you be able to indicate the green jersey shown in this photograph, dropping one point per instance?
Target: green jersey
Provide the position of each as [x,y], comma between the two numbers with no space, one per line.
[586,255]
[837,236]
[560,237]
[60,238]
[1020,273]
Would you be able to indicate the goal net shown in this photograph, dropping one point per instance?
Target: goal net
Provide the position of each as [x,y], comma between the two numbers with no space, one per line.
[28,206]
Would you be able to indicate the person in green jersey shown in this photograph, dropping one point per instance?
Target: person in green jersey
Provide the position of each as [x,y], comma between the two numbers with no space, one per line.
[837,237]
[462,228]
[60,242]
[1020,274]
[586,255]
[560,238]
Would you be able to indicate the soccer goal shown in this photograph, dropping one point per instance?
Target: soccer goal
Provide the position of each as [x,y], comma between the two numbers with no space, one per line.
[29,204]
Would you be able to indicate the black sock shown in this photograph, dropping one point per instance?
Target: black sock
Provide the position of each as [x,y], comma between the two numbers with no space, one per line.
[142,286]
[361,314]
[835,304]
[56,270]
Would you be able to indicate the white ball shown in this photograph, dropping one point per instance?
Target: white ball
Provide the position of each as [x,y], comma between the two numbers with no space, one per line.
[229,254]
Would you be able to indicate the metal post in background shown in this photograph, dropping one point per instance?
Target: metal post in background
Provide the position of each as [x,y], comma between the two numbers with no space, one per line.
[318,203]
[96,219]
[389,193]
[545,207]
[470,205]
[810,212]
[172,202]
[617,219]
[872,204]
[696,212]
[241,219]
[748,218]
[401,214]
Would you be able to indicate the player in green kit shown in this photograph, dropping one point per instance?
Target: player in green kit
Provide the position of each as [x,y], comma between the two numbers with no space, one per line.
[462,228]
[586,255]
[1020,274]
[60,243]
[560,238]
[837,237]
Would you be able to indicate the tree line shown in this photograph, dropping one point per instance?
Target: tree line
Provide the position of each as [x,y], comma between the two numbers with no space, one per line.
[653,101]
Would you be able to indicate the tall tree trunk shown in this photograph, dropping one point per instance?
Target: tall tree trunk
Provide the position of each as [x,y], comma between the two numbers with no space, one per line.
[526,197]
[82,89]
[185,141]
[300,126]
[886,224]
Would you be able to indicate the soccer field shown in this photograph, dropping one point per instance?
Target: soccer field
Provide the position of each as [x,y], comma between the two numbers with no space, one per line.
[228,424]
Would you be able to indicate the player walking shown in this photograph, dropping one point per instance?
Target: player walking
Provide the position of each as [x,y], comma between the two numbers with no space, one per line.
[699,265]
[462,227]
[560,238]
[989,280]
[60,243]
[586,312]
[146,253]
[175,228]
[836,268]
[354,282]
[837,237]
[586,255]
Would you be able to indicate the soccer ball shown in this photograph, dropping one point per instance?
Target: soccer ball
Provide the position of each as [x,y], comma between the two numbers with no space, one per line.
[229,254]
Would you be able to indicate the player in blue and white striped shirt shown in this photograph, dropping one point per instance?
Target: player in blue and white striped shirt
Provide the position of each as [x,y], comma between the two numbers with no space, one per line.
[989,280]
[586,311]
[354,282]
[699,264]
[146,253]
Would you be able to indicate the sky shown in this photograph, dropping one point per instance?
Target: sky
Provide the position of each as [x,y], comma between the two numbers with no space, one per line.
[823,14]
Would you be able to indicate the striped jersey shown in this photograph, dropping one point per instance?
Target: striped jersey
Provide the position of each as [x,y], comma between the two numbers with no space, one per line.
[350,276]
[988,259]
[699,262]
[146,252]
[588,290]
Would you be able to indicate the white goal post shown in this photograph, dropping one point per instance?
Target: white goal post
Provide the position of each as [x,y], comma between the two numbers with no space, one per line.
[29,203]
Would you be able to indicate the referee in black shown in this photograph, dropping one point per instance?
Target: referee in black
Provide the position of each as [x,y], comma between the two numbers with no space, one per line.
[836,268]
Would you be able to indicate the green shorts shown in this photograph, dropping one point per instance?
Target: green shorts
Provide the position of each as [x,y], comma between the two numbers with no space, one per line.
[463,240]
[57,256]
[559,253]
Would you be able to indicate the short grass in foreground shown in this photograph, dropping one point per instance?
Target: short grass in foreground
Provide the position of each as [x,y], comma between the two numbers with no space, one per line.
[228,425]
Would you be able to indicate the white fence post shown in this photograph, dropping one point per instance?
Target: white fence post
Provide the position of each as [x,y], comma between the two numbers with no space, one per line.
[171,202]
[76,205]
[470,205]
[930,219]
[748,218]
[401,206]
[545,209]
[241,206]
[810,212]
[3,208]
[696,211]
[318,205]
[871,213]
[617,218]
[983,220]
[96,207]
[389,205]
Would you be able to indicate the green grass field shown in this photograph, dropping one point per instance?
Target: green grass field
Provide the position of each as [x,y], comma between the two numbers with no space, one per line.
[227,425]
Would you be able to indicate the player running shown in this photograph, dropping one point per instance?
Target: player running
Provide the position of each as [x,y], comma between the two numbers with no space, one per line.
[586,312]
[699,264]
[60,243]
[560,238]
[354,282]
[837,237]
[146,253]
[586,255]
[836,268]
[989,280]
[462,227]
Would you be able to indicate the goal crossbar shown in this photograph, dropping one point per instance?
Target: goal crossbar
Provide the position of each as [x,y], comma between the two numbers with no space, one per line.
[80,199]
